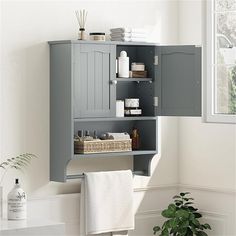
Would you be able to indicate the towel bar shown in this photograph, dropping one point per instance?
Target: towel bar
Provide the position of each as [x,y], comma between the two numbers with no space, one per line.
[80,176]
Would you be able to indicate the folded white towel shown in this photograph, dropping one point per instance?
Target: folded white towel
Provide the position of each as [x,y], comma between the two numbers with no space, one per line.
[125,39]
[106,202]
[119,136]
[128,30]
[129,35]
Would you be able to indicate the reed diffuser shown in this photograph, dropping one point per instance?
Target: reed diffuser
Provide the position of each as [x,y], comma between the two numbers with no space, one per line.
[81,17]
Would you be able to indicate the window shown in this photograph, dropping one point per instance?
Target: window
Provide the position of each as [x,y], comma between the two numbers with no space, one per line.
[220,63]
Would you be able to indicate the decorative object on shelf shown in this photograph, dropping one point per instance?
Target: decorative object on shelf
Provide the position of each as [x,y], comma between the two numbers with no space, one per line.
[135,139]
[132,102]
[183,218]
[100,146]
[123,65]
[17,203]
[137,66]
[138,74]
[132,107]
[81,18]
[97,36]
[17,163]
[138,70]
[128,35]
[120,109]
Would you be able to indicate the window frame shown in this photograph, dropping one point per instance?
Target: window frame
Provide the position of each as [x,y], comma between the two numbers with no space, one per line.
[209,93]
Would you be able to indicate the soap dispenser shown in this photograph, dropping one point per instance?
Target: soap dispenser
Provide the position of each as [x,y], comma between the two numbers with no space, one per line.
[123,65]
[16,200]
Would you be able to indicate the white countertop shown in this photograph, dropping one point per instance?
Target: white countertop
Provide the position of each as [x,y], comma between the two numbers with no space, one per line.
[6,225]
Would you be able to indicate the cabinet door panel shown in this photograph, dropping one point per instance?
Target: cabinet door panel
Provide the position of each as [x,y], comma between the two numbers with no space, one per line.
[93,69]
[178,81]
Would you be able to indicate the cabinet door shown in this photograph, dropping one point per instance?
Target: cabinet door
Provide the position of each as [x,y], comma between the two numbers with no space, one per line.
[94,67]
[178,81]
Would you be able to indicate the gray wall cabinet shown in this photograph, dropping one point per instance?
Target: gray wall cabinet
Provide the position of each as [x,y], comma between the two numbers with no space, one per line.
[84,90]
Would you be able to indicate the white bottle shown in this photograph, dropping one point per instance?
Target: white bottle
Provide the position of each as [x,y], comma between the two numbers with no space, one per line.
[123,65]
[17,203]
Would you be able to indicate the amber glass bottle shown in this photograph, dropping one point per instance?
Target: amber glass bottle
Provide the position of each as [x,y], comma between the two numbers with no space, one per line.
[135,139]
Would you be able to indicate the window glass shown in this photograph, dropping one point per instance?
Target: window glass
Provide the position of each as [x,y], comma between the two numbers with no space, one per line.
[224,63]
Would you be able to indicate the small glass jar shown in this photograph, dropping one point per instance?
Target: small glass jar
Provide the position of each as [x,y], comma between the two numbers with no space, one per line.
[97,36]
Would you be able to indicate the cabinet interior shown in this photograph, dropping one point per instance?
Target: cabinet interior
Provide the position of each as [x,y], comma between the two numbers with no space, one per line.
[138,53]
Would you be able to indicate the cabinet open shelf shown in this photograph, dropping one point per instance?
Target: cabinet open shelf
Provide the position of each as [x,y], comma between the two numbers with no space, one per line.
[134,79]
[115,154]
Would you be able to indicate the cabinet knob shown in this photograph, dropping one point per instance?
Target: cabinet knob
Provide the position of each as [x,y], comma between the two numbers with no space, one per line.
[114,82]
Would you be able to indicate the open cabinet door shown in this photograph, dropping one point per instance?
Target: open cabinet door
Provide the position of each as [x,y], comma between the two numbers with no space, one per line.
[178,81]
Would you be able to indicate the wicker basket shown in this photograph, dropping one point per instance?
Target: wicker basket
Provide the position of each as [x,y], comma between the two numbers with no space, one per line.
[100,146]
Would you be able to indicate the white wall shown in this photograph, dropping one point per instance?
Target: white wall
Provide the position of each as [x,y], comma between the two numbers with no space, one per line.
[207,151]
[25,29]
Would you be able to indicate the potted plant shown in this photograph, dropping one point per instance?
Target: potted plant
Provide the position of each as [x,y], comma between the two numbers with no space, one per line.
[17,163]
[182,219]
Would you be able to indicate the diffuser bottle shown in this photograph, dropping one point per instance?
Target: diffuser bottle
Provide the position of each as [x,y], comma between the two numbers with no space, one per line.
[17,203]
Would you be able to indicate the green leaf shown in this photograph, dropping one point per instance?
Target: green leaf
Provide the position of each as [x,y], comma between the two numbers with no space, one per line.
[172,207]
[196,222]
[184,224]
[156,229]
[168,213]
[176,196]
[165,232]
[173,223]
[201,233]
[206,226]
[189,232]
[182,213]
[188,203]
[192,208]
[197,215]
[183,194]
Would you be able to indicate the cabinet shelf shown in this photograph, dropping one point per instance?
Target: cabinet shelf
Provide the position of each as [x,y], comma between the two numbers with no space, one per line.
[134,80]
[115,154]
[116,118]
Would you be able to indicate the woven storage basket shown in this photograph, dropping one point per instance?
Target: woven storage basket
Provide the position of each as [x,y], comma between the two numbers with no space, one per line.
[100,146]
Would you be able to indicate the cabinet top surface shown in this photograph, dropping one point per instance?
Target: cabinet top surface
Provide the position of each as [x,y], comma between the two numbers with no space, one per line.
[101,42]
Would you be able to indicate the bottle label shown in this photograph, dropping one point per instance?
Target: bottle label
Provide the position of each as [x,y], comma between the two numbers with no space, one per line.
[17,206]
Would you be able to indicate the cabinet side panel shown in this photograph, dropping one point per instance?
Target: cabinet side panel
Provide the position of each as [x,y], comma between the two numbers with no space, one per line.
[61,135]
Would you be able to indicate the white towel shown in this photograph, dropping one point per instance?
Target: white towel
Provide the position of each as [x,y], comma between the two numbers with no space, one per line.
[125,39]
[106,202]
[128,30]
[128,35]
[119,136]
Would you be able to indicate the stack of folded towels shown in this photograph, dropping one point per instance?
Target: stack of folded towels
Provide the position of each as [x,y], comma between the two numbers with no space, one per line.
[128,34]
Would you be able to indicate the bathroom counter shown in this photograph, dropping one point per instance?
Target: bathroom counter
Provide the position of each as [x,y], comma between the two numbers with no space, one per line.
[31,228]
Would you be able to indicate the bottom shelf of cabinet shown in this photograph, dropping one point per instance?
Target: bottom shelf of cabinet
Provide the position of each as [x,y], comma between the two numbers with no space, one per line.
[115,154]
